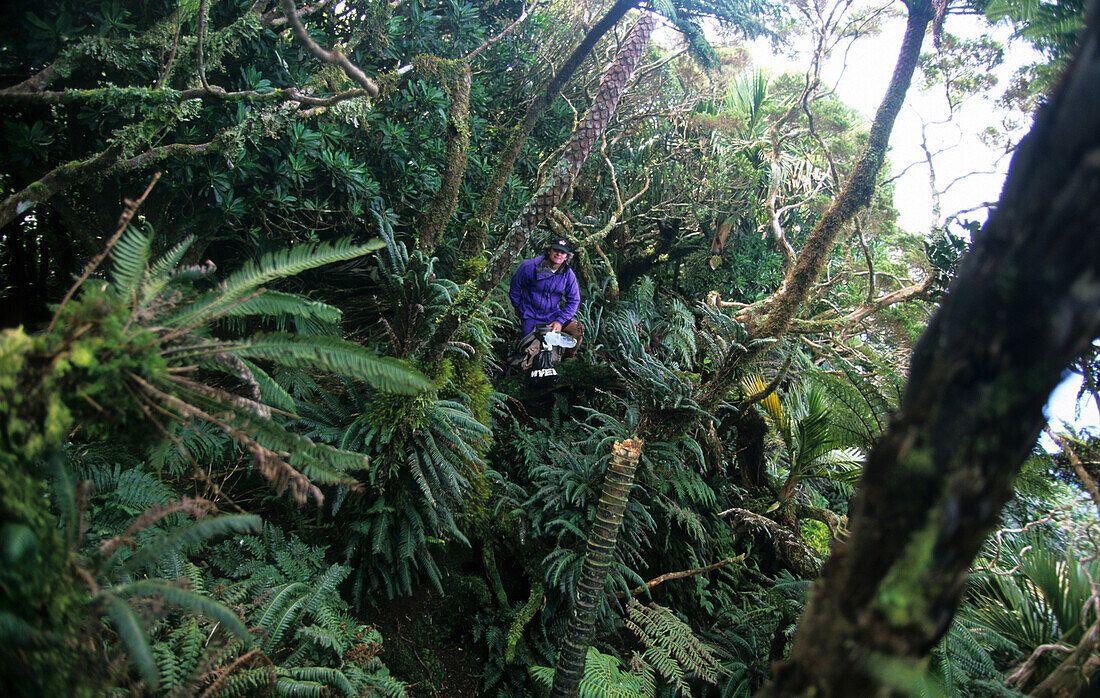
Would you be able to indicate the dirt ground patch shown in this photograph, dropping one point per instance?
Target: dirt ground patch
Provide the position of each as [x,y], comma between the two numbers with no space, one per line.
[423,647]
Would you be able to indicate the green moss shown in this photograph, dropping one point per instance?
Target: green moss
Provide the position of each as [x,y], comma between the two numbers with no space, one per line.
[816,534]
[903,594]
[520,621]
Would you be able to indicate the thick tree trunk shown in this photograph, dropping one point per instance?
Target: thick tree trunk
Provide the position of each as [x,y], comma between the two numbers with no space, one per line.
[1025,304]
[859,188]
[601,550]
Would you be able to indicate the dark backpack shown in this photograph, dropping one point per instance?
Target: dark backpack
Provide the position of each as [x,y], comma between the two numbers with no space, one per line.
[536,354]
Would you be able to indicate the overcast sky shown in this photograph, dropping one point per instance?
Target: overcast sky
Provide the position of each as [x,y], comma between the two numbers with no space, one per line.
[861,78]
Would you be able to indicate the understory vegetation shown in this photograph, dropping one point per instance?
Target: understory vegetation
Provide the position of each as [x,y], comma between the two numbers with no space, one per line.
[258,430]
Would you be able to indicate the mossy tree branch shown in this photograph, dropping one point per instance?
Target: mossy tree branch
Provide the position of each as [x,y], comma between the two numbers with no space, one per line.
[859,188]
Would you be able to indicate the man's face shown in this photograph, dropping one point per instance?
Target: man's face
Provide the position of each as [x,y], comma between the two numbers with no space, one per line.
[557,257]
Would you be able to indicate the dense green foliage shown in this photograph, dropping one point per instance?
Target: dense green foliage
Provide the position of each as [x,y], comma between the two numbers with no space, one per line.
[268,481]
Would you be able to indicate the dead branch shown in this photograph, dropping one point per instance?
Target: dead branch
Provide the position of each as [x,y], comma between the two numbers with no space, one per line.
[519,20]
[684,574]
[789,548]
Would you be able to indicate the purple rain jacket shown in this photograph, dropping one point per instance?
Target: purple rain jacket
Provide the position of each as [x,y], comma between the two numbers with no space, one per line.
[537,296]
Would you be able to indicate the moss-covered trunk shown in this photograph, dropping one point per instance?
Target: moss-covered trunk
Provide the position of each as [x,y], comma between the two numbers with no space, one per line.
[1026,303]
[456,82]
[859,188]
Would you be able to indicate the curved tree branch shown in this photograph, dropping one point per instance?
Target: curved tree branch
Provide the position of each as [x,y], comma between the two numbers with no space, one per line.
[1025,304]
[859,188]
[335,56]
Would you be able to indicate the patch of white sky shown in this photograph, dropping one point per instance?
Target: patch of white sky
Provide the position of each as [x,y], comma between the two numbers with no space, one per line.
[974,170]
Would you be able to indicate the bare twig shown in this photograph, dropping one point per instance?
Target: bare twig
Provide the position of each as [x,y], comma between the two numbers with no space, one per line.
[201,39]
[519,20]
[669,576]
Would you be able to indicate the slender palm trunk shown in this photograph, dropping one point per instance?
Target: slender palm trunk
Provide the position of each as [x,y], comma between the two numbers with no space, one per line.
[598,557]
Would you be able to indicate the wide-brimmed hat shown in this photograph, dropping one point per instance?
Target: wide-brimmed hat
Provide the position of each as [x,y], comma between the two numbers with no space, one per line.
[560,244]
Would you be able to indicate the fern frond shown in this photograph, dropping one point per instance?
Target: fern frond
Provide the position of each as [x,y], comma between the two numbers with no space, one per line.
[275,303]
[274,265]
[159,270]
[270,391]
[336,356]
[133,636]
[129,257]
[325,676]
[187,600]
[187,536]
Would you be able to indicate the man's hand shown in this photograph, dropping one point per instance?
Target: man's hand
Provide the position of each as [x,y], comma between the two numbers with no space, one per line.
[556,326]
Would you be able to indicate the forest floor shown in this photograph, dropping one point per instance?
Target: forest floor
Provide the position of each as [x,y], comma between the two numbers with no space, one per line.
[431,658]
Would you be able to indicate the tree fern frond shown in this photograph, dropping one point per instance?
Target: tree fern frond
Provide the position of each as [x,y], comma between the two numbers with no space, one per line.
[276,303]
[270,391]
[336,356]
[274,265]
[158,270]
[671,645]
[190,535]
[325,676]
[129,257]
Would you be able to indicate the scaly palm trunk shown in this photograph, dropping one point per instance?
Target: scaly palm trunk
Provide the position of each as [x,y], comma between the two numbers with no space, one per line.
[474,236]
[588,131]
[597,558]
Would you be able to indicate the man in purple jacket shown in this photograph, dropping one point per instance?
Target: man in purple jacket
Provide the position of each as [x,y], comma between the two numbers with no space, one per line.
[545,292]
